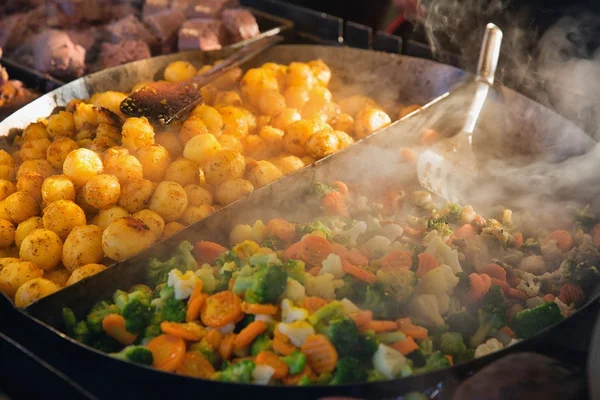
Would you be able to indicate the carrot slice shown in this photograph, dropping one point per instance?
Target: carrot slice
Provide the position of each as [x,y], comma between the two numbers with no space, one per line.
[282,347]
[503,285]
[320,354]
[356,258]
[268,309]
[248,334]
[293,252]
[220,309]
[271,359]
[407,155]
[294,379]
[494,271]
[314,271]
[480,284]
[197,291]
[167,352]
[595,233]
[313,303]
[514,282]
[214,338]
[549,297]
[282,229]
[340,250]
[114,326]
[341,187]
[396,260]
[405,346]
[315,249]
[334,203]
[427,262]
[466,231]
[412,232]
[406,326]
[429,137]
[391,201]
[195,307]
[518,294]
[449,358]
[194,364]
[508,331]
[563,239]
[226,346]
[518,236]
[359,272]
[383,326]
[187,331]
[362,319]
[206,252]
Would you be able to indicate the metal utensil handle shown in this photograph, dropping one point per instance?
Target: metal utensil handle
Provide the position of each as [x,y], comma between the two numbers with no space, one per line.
[490,53]
[236,59]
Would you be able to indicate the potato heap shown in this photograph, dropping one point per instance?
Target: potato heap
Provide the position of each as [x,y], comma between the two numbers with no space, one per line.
[88,186]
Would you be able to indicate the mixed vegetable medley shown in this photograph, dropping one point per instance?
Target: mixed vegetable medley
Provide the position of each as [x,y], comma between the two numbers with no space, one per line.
[380,286]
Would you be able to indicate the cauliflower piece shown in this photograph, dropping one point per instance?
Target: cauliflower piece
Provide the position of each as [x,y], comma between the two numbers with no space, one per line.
[225,329]
[259,231]
[264,258]
[297,331]
[565,310]
[291,313]
[240,233]
[388,361]
[496,230]
[268,319]
[426,308]
[352,234]
[378,244]
[533,264]
[392,231]
[438,281]
[534,302]
[349,307]
[507,217]
[468,215]
[182,283]
[442,251]
[444,303]
[245,249]
[294,290]
[206,274]
[530,286]
[262,374]
[489,347]
[421,198]
[332,265]
[322,286]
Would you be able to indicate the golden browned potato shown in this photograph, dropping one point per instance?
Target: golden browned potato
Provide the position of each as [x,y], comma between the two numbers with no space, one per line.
[81,165]
[271,102]
[61,124]
[194,214]
[110,100]
[234,120]
[136,133]
[135,195]
[296,97]
[171,229]
[299,132]
[33,290]
[261,173]
[280,73]
[226,164]
[169,201]
[42,167]
[322,144]
[31,182]
[58,150]
[321,71]
[108,131]
[183,171]
[109,215]
[285,118]
[155,222]
[170,141]
[344,123]
[300,74]
[6,189]
[5,158]
[231,142]
[114,153]
[58,187]
[82,246]
[7,259]
[197,195]
[59,275]
[102,191]
[257,80]
[100,144]
[211,117]
[7,172]
[84,116]
[7,233]
[193,126]
[84,272]
[3,213]
[35,130]
[155,160]
[256,147]
[209,92]
[42,247]
[62,216]
[15,274]
[320,96]
[287,163]
[26,227]
[179,71]
[353,104]
[228,79]
[201,147]
[125,167]
[126,237]
[34,149]
[20,206]
[227,98]
[370,120]
[233,190]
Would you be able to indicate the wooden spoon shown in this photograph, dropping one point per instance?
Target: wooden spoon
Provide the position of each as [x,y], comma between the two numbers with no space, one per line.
[164,102]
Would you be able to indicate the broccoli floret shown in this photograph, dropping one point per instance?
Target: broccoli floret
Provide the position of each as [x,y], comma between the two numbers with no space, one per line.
[207,351]
[490,320]
[464,283]
[493,298]
[136,354]
[417,357]
[349,370]
[442,228]
[321,189]
[240,372]
[434,362]
[228,257]
[314,226]
[464,357]
[135,308]
[426,346]
[106,344]
[172,310]
[390,337]
[271,242]
[97,313]
[69,320]
[583,217]
[344,335]
[182,260]
[367,346]
[295,270]
[463,323]
[324,378]
[152,331]
[295,361]
[531,246]
[400,284]
[583,274]
[266,285]
[305,381]
[262,342]
[248,318]
[453,212]
[81,332]
[143,289]
[531,321]
[383,304]
[375,376]
[331,311]
[354,289]
[452,343]
[222,281]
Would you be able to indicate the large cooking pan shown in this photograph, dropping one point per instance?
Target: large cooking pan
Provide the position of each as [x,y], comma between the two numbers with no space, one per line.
[388,78]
